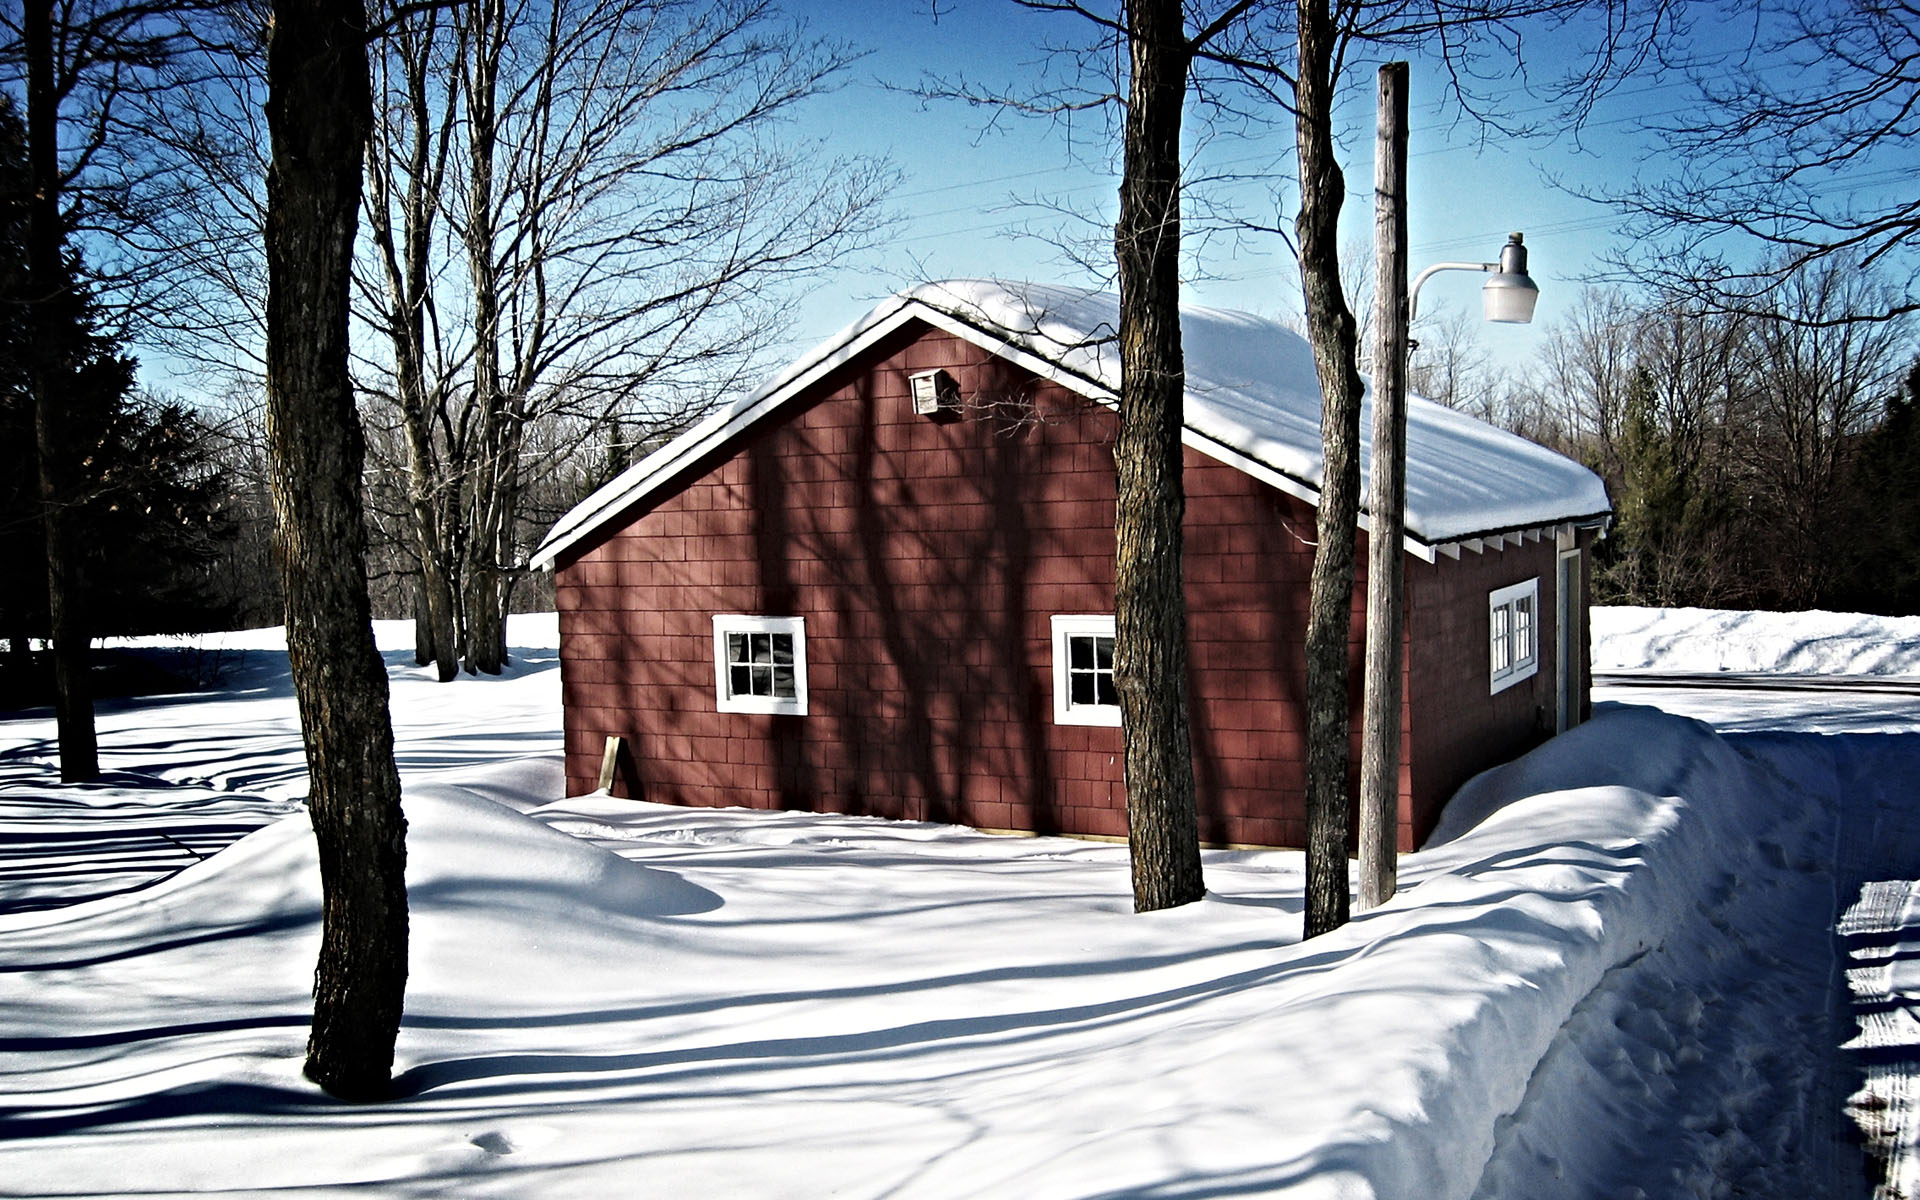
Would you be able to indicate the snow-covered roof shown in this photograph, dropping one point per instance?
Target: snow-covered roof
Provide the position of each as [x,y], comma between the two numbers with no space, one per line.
[1253,402]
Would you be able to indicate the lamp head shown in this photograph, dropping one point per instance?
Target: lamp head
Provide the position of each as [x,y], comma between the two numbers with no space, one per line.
[1509,295]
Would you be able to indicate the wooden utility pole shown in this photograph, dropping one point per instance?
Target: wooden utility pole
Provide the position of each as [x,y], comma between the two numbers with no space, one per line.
[1386,501]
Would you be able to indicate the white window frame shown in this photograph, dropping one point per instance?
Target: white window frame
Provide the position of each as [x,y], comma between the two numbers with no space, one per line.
[727,701]
[1065,711]
[1512,637]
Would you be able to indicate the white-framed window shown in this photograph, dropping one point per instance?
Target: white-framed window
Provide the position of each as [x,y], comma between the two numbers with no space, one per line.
[1513,629]
[760,664]
[1083,690]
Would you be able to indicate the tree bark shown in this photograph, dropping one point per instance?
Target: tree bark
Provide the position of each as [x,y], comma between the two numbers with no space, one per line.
[434,615]
[1386,504]
[319,111]
[496,466]
[1150,610]
[435,633]
[1330,329]
[53,363]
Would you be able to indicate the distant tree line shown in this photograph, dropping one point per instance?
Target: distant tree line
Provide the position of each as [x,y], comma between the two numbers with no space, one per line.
[1765,458]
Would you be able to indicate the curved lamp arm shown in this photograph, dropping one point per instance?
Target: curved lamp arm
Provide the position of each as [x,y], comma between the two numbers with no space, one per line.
[1508,297]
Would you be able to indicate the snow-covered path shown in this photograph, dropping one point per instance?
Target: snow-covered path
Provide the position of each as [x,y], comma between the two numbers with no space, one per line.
[1705,1065]
[1831,704]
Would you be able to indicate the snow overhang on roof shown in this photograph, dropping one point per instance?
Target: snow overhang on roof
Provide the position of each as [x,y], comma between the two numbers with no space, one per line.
[1253,402]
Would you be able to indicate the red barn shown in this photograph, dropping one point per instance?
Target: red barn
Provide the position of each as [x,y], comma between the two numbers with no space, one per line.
[883,583]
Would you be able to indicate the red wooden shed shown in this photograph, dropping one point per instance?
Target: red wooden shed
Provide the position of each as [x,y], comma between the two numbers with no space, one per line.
[883,583]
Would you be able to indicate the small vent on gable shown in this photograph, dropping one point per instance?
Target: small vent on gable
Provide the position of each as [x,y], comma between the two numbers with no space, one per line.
[935,395]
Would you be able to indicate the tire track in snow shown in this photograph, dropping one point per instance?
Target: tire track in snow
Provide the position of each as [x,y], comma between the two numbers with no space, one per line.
[1880,935]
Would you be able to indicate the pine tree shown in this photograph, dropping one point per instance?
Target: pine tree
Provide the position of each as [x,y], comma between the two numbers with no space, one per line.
[144,502]
[1882,572]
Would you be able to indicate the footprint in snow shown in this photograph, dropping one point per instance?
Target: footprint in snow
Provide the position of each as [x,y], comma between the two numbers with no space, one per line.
[493,1142]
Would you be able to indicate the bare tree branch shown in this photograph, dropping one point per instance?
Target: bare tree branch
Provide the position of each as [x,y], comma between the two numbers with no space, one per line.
[1797,152]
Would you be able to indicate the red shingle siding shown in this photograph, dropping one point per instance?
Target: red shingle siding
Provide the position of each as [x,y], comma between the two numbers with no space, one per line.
[927,558]
[1461,726]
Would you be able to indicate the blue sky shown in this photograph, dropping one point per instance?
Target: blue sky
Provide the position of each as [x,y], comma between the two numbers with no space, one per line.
[966,176]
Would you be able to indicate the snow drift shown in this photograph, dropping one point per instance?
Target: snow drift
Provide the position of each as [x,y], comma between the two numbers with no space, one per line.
[608,995]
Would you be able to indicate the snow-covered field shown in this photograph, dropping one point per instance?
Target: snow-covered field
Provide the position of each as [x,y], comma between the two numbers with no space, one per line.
[1707,640]
[1613,973]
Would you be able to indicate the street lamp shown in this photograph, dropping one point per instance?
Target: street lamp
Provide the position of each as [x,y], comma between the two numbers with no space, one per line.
[1508,297]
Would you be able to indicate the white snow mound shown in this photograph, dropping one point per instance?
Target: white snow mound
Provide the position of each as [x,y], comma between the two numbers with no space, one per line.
[1697,640]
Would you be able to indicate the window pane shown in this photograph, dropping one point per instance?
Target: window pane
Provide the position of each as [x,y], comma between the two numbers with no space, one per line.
[739,681]
[736,648]
[1090,670]
[1081,688]
[762,644]
[783,682]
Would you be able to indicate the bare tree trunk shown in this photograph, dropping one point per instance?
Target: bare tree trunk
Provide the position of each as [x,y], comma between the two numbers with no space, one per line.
[17,666]
[435,636]
[1330,328]
[53,362]
[1387,504]
[486,623]
[319,110]
[408,169]
[434,614]
[1150,609]
[486,620]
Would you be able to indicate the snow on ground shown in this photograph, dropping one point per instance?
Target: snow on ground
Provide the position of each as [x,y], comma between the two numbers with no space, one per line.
[1702,640]
[1612,973]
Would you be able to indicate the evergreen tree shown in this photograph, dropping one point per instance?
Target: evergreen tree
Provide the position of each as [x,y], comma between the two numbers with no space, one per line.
[145,505]
[1672,534]
[1882,570]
